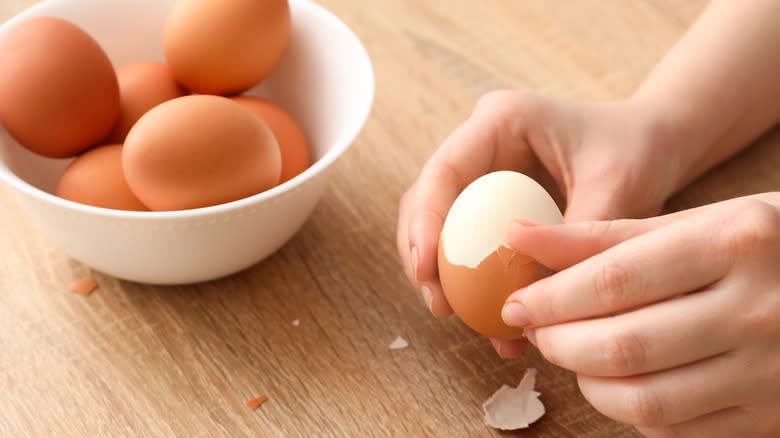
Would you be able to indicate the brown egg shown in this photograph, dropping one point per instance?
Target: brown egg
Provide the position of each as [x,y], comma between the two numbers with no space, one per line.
[96,178]
[292,140]
[142,86]
[226,47]
[58,90]
[477,268]
[199,151]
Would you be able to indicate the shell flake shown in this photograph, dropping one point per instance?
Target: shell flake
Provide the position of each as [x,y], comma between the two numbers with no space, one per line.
[514,408]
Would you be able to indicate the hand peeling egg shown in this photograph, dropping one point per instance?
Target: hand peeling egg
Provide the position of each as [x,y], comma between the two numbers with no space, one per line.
[477,268]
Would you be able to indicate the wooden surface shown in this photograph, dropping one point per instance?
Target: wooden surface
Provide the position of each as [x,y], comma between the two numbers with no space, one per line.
[134,360]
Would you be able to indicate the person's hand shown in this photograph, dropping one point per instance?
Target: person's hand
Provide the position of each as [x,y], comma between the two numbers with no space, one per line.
[672,324]
[604,159]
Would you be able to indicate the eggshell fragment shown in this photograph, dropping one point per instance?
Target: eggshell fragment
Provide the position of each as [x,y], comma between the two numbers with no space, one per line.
[83,286]
[514,408]
[477,295]
[256,402]
[398,344]
[58,90]
[477,268]
[199,151]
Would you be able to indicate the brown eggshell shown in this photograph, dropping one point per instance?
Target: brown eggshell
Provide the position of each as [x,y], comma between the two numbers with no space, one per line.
[58,90]
[226,47]
[95,178]
[292,140]
[199,151]
[142,86]
[477,295]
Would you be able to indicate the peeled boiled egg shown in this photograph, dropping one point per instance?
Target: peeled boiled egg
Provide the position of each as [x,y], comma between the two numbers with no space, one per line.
[198,151]
[477,268]
[226,47]
[292,140]
[58,90]
[142,86]
[96,178]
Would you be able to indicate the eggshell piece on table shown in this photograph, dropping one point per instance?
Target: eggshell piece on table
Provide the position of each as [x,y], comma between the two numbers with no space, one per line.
[58,91]
[226,47]
[477,268]
[292,141]
[142,86]
[199,151]
[514,408]
[95,178]
[84,286]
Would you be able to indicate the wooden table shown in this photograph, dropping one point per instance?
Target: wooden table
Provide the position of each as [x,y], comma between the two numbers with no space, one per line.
[135,360]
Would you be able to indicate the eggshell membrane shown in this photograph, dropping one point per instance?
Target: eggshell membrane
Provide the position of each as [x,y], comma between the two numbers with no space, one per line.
[477,268]
[142,86]
[226,47]
[199,151]
[58,90]
[96,178]
[292,141]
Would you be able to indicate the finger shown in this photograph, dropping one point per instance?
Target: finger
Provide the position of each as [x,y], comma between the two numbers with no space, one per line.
[661,336]
[598,205]
[493,138]
[670,260]
[726,423]
[402,235]
[508,349]
[669,397]
[435,300]
[561,246]
[444,176]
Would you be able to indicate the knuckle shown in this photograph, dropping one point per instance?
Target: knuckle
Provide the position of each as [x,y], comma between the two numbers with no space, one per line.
[598,229]
[611,283]
[644,408]
[754,226]
[508,105]
[538,303]
[548,350]
[496,98]
[661,432]
[624,354]
[762,319]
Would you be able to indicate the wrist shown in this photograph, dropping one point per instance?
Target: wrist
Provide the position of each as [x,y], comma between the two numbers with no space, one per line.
[673,143]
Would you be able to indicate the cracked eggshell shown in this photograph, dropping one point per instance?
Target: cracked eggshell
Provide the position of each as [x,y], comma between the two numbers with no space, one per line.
[514,408]
[477,268]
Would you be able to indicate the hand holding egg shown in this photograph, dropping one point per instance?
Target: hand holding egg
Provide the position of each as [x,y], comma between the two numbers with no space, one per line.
[574,150]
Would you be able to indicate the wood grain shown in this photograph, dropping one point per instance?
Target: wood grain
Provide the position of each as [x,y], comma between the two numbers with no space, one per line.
[136,360]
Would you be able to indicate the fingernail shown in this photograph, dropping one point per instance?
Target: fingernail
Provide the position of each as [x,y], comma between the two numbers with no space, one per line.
[427,297]
[514,314]
[518,226]
[526,222]
[500,349]
[415,262]
[530,334]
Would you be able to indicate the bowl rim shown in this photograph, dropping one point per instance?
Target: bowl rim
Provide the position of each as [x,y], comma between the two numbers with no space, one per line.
[338,149]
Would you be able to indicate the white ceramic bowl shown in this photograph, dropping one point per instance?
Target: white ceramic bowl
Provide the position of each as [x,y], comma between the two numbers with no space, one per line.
[326,82]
